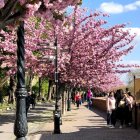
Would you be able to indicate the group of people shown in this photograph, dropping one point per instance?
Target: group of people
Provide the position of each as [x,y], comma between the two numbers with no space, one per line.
[119,107]
[80,97]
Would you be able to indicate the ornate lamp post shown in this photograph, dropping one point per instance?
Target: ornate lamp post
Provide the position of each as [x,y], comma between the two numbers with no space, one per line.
[20,127]
[136,108]
[57,112]
[134,85]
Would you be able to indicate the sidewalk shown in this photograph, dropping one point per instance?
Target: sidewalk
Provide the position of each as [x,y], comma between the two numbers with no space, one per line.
[78,124]
[36,118]
[85,124]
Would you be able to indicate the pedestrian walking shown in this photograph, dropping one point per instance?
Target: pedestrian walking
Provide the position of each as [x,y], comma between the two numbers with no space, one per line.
[128,108]
[121,110]
[77,99]
[28,102]
[89,98]
[111,110]
[33,100]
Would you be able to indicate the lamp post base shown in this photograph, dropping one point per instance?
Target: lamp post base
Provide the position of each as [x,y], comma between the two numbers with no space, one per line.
[22,138]
[57,116]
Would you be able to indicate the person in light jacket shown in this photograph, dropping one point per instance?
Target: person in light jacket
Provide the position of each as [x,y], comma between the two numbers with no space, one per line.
[111,110]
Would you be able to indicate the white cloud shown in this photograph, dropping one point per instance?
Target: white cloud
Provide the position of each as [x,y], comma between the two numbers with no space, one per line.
[135,42]
[111,7]
[133,31]
[131,62]
[137,38]
[116,8]
[130,7]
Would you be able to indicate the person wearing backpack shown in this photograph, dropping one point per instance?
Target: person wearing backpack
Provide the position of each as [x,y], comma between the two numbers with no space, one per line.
[122,110]
[89,98]
[128,108]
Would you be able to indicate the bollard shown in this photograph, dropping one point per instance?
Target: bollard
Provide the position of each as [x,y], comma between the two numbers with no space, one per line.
[57,120]
[69,105]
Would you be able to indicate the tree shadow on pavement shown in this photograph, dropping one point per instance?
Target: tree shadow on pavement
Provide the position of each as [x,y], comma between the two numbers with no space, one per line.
[46,104]
[98,131]
[6,118]
[89,133]
[40,119]
[39,114]
[40,132]
[98,112]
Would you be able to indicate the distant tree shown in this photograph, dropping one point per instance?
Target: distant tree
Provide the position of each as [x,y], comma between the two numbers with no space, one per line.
[130,78]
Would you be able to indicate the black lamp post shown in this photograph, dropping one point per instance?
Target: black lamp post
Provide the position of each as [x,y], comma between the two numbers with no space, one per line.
[57,113]
[136,108]
[20,126]
[134,85]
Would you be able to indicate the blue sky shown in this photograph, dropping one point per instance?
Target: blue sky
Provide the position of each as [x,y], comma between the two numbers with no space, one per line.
[121,11]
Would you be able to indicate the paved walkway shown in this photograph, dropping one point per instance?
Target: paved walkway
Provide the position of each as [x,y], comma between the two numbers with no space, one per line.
[78,124]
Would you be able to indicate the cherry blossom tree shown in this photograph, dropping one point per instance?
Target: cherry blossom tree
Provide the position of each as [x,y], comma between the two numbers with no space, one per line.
[93,50]
[16,12]
[11,12]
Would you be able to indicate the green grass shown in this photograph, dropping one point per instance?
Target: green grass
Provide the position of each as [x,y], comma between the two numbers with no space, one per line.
[5,106]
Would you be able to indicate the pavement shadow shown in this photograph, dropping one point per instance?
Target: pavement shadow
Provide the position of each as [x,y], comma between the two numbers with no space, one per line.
[98,112]
[41,132]
[46,104]
[88,133]
[7,118]
[42,113]
[39,118]
[97,132]
[40,110]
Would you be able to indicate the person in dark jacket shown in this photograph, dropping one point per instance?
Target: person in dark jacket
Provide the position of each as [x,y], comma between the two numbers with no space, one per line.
[28,102]
[33,100]
[120,108]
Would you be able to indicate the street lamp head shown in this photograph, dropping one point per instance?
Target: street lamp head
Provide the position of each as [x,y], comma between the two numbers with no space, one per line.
[42,44]
[46,48]
[51,57]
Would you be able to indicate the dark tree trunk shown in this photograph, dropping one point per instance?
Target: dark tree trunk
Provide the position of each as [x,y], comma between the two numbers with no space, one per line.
[39,89]
[30,81]
[11,90]
[49,95]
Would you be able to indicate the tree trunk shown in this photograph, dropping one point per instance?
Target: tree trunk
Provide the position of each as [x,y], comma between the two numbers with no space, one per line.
[50,88]
[62,94]
[30,81]
[11,90]
[39,89]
